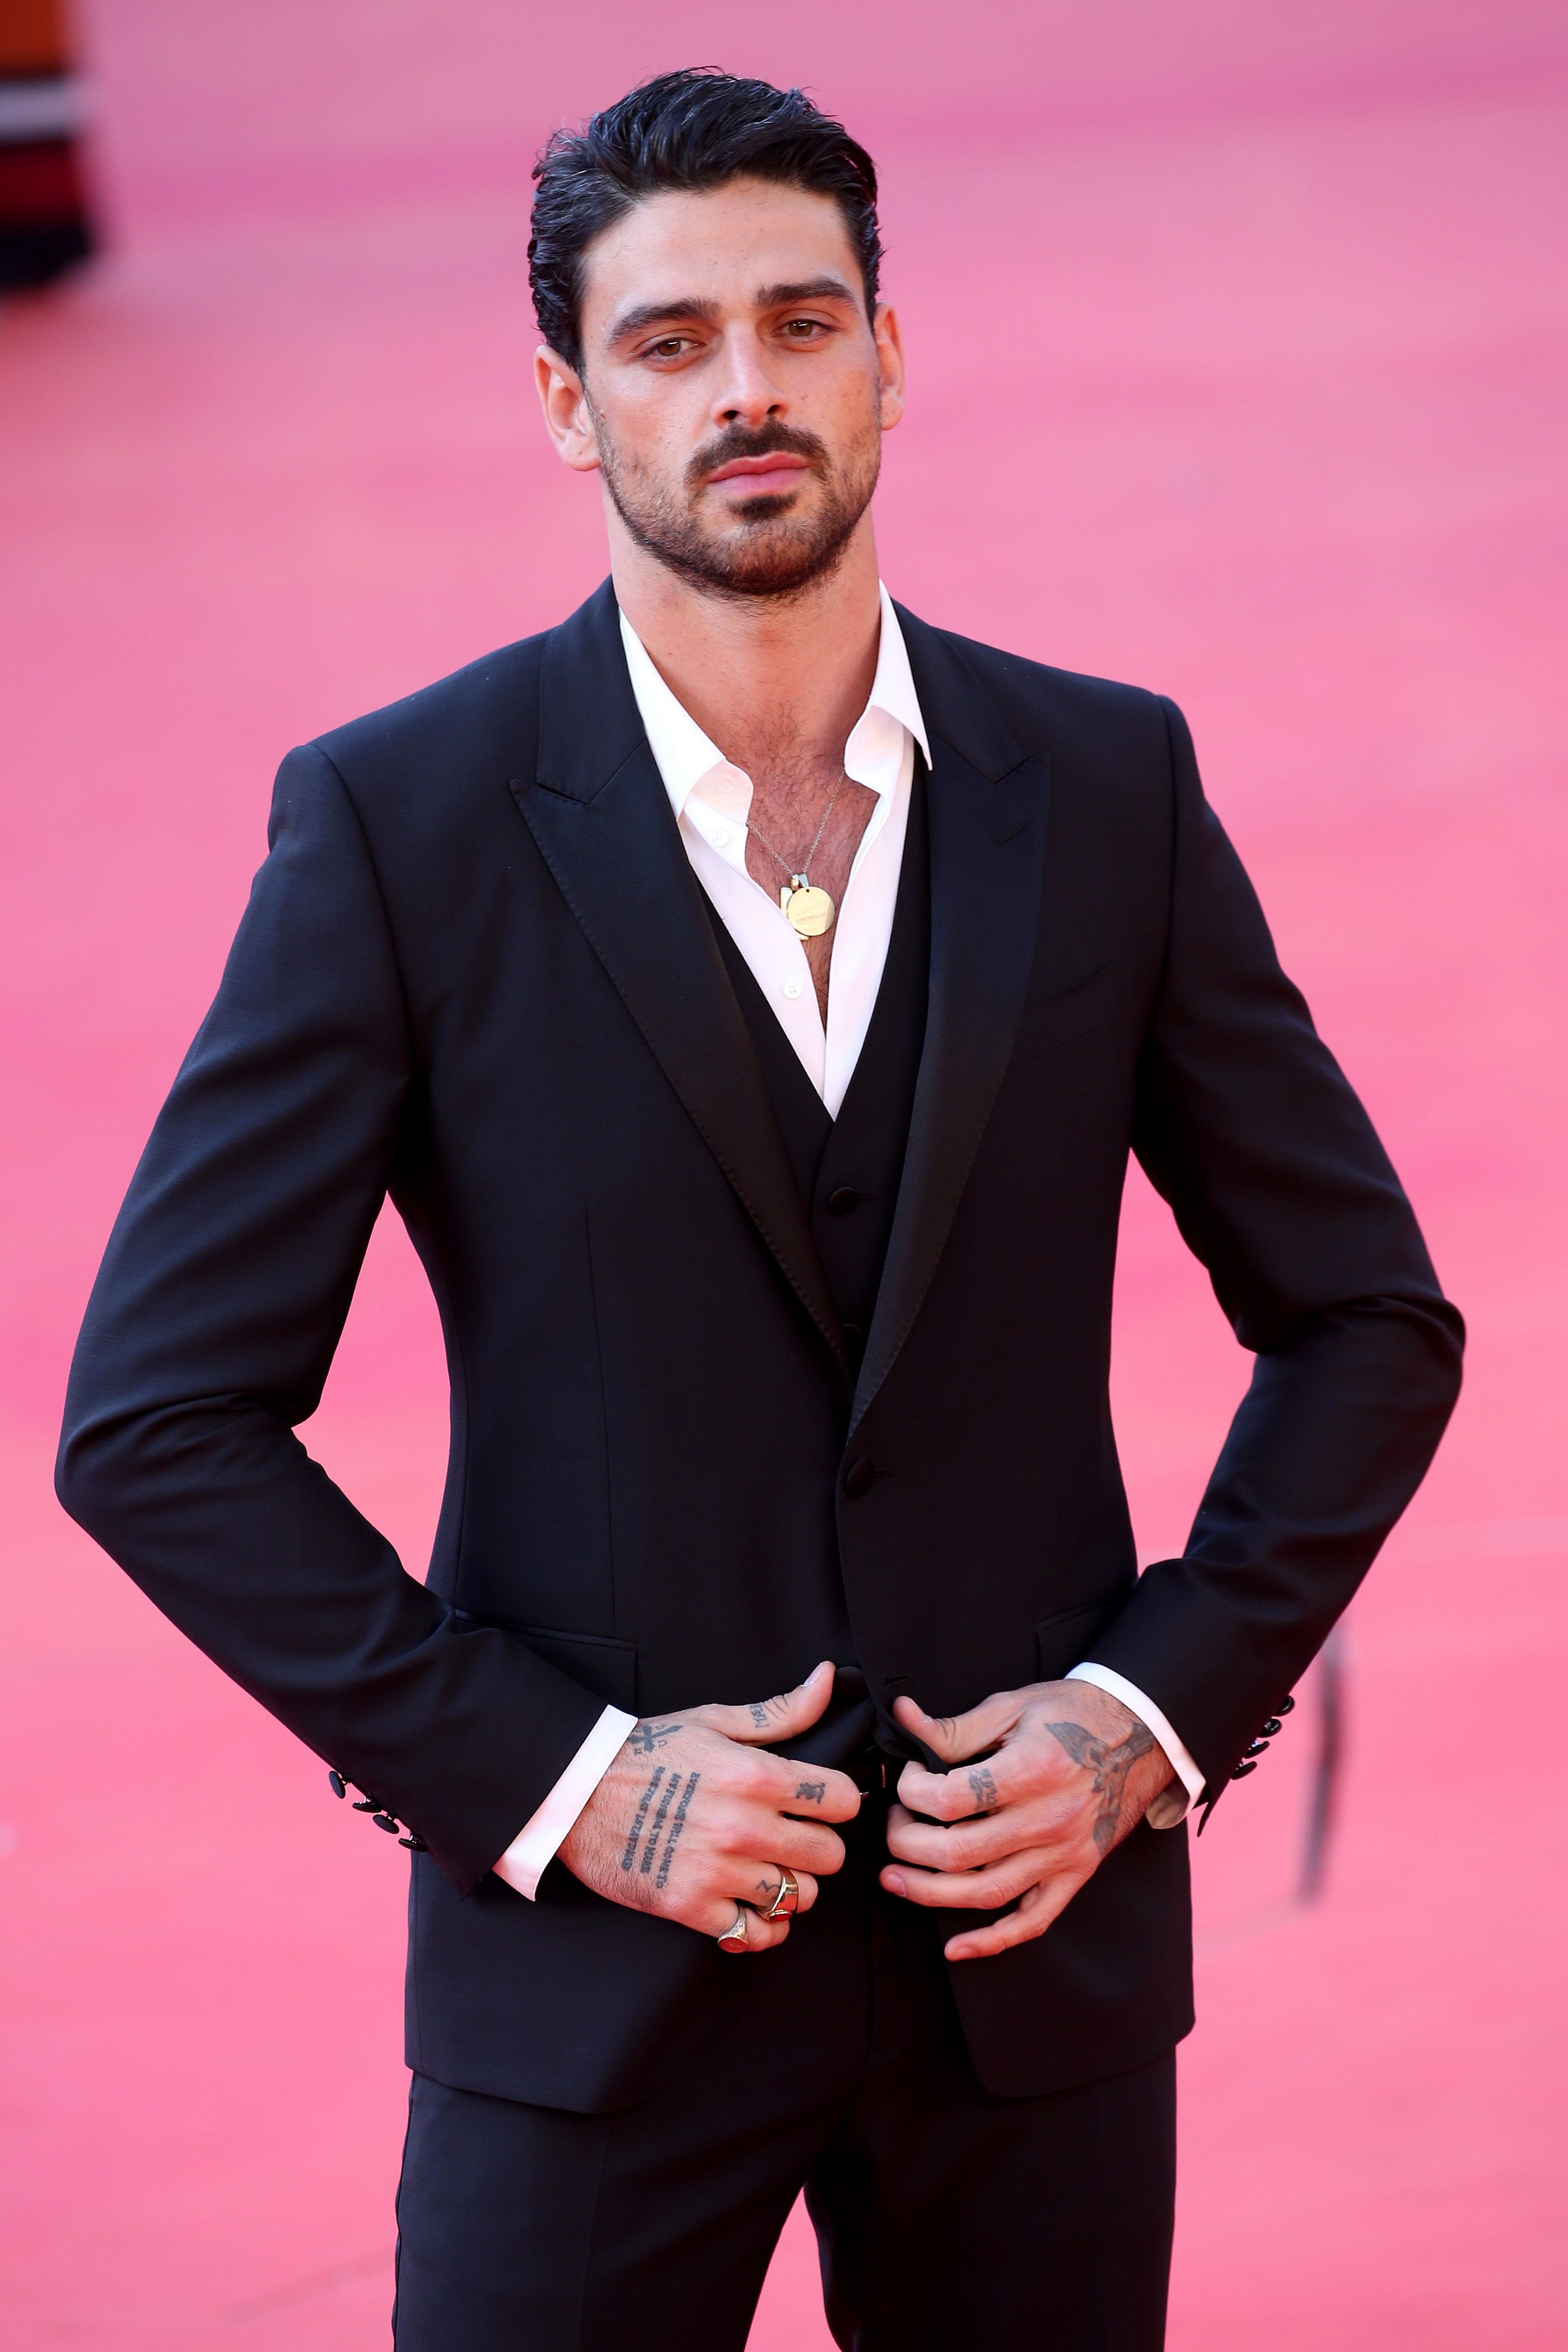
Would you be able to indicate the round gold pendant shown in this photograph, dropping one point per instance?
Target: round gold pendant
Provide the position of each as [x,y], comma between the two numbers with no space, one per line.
[810,911]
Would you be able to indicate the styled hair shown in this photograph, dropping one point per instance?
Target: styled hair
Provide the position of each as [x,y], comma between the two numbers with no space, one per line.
[695,130]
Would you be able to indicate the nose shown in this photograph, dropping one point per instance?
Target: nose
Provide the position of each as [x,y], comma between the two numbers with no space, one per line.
[748,394]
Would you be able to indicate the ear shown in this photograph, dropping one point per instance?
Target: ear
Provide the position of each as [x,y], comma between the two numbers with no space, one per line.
[567,418]
[889,363]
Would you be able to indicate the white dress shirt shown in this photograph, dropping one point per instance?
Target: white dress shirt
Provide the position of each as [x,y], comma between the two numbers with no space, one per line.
[711,802]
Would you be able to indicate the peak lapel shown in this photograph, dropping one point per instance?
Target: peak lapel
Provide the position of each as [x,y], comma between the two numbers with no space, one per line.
[988,803]
[598,809]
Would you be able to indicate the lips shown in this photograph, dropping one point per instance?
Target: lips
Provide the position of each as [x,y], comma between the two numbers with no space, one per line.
[775,471]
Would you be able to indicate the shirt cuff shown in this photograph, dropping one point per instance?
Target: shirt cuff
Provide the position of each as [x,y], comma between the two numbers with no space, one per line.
[540,1837]
[1171,1805]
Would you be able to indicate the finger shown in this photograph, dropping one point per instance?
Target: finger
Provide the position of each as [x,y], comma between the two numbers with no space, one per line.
[967,1890]
[765,1892]
[814,1790]
[761,1935]
[955,1737]
[967,1845]
[1038,1909]
[763,1720]
[944,1796]
[799,1845]
[741,1822]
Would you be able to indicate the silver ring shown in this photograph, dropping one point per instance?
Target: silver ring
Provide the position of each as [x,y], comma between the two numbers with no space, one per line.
[786,1902]
[736,1932]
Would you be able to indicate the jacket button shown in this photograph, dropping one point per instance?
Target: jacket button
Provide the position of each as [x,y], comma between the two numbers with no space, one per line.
[1242,1770]
[1270,1727]
[859,1478]
[1256,1747]
[337,1784]
[842,1200]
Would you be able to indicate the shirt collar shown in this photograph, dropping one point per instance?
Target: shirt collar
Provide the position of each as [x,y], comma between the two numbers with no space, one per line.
[685,756]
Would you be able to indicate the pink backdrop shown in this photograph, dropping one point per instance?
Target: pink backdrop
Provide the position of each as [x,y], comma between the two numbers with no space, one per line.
[1237,338]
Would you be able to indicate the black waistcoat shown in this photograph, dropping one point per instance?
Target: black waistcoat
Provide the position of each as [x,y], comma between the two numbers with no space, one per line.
[848,1170]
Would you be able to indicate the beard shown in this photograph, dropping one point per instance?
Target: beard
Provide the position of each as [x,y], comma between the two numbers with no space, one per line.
[765,548]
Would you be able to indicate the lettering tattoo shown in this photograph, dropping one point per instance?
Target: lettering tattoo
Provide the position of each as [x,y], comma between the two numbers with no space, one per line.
[640,1816]
[677,1825]
[644,1737]
[983,1787]
[1111,1764]
[764,1711]
[670,1787]
[813,1791]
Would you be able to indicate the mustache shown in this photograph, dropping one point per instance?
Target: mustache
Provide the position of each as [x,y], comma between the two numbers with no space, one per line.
[761,441]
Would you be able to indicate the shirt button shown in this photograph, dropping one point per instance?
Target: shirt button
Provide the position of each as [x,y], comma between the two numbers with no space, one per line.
[792,989]
[721,838]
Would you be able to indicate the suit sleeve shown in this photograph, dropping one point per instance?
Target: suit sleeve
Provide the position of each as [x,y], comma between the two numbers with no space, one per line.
[208,1337]
[1247,1126]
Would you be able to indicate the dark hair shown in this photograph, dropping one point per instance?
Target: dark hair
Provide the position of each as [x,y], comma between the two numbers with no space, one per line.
[693,129]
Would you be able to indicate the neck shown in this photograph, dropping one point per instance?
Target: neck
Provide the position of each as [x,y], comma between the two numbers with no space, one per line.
[761,673]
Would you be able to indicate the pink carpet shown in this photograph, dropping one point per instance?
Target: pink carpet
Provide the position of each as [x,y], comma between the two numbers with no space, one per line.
[1237,335]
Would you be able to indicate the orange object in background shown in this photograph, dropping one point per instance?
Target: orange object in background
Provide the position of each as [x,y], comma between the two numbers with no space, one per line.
[45,226]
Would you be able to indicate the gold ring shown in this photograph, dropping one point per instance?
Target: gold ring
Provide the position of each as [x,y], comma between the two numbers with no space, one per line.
[786,1902]
[736,1932]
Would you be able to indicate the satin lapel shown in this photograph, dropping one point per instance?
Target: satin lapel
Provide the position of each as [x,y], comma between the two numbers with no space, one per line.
[987,805]
[598,809]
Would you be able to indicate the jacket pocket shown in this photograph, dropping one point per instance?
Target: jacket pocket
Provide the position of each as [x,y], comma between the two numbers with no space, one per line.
[600,1661]
[1063,1642]
[1084,1004]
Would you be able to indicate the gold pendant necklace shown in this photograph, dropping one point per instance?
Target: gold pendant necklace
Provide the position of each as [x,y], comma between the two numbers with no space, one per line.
[809,910]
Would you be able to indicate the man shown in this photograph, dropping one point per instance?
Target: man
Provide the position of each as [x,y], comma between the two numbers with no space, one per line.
[750,996]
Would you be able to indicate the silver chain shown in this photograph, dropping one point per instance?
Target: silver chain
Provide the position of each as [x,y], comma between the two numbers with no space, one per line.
[803,868]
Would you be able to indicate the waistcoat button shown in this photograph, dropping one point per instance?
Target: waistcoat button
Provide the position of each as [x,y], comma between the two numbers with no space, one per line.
[845,1199]
[859,1478]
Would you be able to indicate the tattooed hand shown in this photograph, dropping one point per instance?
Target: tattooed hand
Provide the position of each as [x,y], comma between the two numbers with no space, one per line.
[1069,1772]
[692,1817]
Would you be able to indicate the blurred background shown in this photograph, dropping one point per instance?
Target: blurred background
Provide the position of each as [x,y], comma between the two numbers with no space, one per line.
[1238,345]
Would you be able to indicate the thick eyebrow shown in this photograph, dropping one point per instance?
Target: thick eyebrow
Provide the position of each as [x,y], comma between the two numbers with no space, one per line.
[803,290]
[655,314]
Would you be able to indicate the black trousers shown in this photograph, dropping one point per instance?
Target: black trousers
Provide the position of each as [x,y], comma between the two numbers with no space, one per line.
[948,2220]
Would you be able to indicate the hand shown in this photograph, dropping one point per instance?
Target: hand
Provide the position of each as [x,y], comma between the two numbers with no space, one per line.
[1069,1772]
[690,1819]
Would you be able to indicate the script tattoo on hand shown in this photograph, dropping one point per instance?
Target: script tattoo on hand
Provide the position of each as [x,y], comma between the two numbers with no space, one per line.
[983,1787]
[813,1791]
[671,1787]
[644,1737]
[1111,1764]
[677,1825]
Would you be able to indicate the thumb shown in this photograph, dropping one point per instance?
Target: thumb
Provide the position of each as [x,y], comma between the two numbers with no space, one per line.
[956,1738]
[763,1720]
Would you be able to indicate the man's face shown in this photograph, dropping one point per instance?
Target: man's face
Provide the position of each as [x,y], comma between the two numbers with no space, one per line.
[732,391]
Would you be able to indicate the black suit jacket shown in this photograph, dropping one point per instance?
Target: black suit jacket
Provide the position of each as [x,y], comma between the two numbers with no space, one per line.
[475,973]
